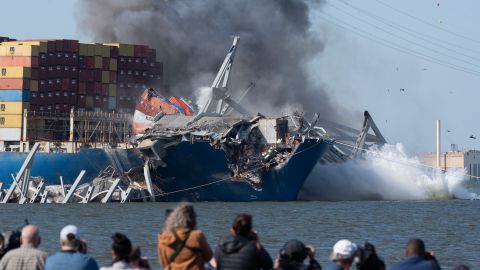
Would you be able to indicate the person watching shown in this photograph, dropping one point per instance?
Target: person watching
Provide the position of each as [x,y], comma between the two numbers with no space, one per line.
[417,257]
[27,256]
[342,255]
[121,250]
[69,256]
[292,257]
[241,249]
[180,245]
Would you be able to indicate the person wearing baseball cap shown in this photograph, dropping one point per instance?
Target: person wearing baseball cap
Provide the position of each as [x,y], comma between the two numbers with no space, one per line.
[342,255]
[69,256]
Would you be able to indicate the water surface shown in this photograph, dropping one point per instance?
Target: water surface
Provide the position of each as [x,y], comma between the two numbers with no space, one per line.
[449,227]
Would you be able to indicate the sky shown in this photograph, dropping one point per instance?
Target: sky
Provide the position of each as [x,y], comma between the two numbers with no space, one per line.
[407,62]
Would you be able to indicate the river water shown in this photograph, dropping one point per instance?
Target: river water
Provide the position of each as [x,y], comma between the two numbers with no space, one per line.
[449,227]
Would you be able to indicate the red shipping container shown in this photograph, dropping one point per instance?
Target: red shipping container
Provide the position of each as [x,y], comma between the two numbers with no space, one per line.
[82,88]
[65,84]
[50,46]
[90,62]
[97,88]
[14,84]
[104,89]
[58,45]
[137,50]
[113,77]
[97,75]
[90,88]
[81,101]
[113,52]
[42,73]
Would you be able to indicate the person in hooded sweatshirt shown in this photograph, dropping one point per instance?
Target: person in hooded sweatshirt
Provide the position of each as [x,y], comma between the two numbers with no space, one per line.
[181,246]
[293,254]
[241,249]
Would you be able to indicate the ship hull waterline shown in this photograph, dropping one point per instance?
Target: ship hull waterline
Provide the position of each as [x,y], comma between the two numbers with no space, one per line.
[194,172]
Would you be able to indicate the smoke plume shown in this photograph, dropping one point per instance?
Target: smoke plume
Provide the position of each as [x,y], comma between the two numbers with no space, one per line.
[192,37]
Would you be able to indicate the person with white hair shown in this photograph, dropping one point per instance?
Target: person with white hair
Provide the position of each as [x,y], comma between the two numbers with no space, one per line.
[27,256]
[342,255]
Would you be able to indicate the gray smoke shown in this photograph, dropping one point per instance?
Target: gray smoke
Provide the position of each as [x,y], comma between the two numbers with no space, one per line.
[192,37]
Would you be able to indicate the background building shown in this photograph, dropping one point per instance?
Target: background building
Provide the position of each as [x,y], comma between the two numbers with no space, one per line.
[468,160]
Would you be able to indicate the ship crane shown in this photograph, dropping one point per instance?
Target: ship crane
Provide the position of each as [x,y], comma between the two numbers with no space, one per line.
[219,100]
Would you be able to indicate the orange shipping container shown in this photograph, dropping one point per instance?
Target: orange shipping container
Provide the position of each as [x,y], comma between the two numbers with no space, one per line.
[14,84]
[19,61]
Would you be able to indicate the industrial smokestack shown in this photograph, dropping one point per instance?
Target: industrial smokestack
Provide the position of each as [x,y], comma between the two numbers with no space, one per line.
[438,144]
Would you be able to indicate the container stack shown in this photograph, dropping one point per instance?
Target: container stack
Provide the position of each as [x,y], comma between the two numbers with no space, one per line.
[137,69]
[18,76]
[56,75]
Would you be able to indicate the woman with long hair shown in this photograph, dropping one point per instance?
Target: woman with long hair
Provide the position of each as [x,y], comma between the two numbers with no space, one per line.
[181,245]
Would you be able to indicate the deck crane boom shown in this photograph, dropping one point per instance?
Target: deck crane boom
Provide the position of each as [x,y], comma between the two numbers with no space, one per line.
[219,97]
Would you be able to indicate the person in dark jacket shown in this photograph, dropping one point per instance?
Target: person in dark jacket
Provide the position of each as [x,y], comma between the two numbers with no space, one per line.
[293,254]
[241,249]
[417,258]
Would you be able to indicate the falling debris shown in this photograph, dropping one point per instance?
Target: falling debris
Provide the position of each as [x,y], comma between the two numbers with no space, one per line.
[402,90]
[473,137]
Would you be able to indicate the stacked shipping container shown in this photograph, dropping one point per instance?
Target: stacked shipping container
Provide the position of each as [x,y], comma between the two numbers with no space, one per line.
[55,75]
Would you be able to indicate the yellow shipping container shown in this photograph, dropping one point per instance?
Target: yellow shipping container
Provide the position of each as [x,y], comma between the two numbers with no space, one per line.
[11,121]
[33,85]
[15,72]
[112,90]
[123,49]
[113,64]
[83,49]
[98,62]
[98,49]
[87,49]
[105,51]
[42,45]
[18,50]
[10,107]
[105,76]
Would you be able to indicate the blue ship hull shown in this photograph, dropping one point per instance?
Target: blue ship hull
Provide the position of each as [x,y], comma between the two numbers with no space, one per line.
[51,166]
[199,172]
[194,172]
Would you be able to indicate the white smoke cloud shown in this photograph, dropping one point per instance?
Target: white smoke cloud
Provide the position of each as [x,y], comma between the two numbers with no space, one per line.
[385,174]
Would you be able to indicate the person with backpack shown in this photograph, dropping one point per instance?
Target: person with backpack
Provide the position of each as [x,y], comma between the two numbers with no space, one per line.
[241,249]
[181,246]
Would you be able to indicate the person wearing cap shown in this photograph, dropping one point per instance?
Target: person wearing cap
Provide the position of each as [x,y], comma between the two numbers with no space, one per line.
[342,255]
[69,257]
[241,249]
[27,256]
[292,257]
[417,257]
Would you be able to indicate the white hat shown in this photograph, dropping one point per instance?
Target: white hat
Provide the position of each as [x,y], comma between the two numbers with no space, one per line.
[69,229]
[344,249]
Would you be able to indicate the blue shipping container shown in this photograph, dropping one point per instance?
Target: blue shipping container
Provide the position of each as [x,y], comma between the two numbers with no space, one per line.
[15,95]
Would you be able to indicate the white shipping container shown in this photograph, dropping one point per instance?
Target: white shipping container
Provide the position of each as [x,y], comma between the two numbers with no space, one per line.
[10,134]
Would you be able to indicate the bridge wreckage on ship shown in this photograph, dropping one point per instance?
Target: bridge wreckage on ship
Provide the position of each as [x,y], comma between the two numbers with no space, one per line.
[220,152]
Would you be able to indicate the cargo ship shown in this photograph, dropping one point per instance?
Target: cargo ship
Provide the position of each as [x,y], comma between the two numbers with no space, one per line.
[217,152]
